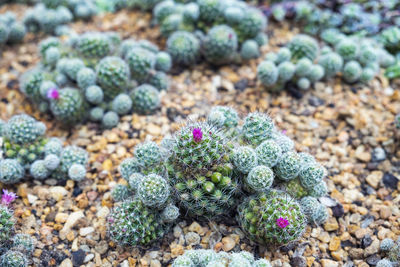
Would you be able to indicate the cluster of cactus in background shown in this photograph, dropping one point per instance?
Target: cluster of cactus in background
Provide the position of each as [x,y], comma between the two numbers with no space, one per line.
[391,250]
[367,18]
[26,148]
[303,63]
[52,16]
[208,168]
[11,30]
[221,31]
[210,258]
[97,76]
[14,248]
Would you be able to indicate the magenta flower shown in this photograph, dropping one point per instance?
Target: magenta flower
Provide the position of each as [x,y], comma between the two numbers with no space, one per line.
[282,222]
[53,93]
[284,131]
[7,197]
[197,134]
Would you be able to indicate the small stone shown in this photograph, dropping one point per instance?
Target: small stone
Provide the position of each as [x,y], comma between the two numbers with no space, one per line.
[366,241]
[329,263]
[338,211]
[58,192]
[32,199]
[372,249]
[385,212]
[177,231]
[374,178]
[176,250]
[298,262]
[66,263]
[378,154]
[101,247]
[78,257]
[89,257]
[61,217]
[86,231]
[338,255]
[334,244]
[389,180]
[196,227]
[356,253]
[155,263]
[331,224]
[192,238]
[228,243]
[71,221]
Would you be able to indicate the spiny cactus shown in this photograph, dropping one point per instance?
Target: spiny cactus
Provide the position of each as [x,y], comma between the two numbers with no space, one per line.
[27,147]
[207,168]
[13,259]
[24,243]
[132,223]
[210,258]
[184,48]
[272,217]
[303,46]
[96,76]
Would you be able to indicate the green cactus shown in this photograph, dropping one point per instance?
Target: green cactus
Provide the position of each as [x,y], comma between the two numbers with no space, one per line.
[257,128]
[69,107]
[272,217]
[145,99]
[6,223]
[220,45]
[303,46]
[11,171]
[94,45]
[184,48]
[13,259]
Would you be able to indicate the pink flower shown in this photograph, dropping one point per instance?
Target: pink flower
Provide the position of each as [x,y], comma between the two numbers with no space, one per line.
[7,197]
[53,93]
[197,135]
[284,131]
[282,222]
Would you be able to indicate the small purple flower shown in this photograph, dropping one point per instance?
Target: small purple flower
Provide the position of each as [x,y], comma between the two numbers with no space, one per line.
[197,134]
[7,197]
[284,131]
[282,222]
[53,93]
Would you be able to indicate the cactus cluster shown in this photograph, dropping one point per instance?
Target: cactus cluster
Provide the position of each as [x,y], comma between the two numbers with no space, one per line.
[207,168]
[390,249]
[350,17]
[11,30]
[53,17]
[302,62]
[210,258]
[14,248]
[97,76]
[221,31]
[26,149]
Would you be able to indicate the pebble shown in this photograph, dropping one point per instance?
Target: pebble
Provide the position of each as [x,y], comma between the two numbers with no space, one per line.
[192,238]
[32,199]
[78,257]
[391,181]
[101,247]
[374,178]
[331,224]
[378,154]
[334,243]
[71,221]
[66,263]
[228,243]
[86,231]
[329,263]
[58,192]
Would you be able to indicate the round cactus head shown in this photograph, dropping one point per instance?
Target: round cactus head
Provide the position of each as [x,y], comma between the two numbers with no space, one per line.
[272,217]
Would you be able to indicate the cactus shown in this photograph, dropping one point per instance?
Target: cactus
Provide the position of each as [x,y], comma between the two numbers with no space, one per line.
[252,23]
[170,213]
[163,61]
[120,193]
[94,45]
[94,94]
[68,105]
[38,170]
[257,128]
[391,39]
[153,190]
[13,259]
[284,54]
[315,211]
[132,223]
[6,223]
[289,166]
[244,159]
[11,171]
[112,76]
[85,78]
[77,172]
[223,117]
[24,243]
[272,217]
[220,45]
[122,104]
[286,71]
[184,48]
[267,73]
[249,50]
[303,46]
[332,64]
[140,62]
[386,245]
[384,263]
[145,99]
[347,49]
[268,153]
[260,178]
[352,71]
